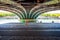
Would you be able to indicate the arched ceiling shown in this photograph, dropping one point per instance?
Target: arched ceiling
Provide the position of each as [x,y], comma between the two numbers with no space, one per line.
[12,6]
[33,13]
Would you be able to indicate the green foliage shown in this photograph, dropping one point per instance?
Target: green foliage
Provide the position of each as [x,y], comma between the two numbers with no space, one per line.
[6,14]
[51,14]
[7,1]
[52,2]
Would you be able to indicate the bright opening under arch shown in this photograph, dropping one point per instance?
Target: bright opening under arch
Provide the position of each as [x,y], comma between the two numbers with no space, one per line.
[8,17]
[49,17]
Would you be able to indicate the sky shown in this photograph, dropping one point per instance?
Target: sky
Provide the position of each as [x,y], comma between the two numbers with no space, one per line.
[56,11]
[2,11]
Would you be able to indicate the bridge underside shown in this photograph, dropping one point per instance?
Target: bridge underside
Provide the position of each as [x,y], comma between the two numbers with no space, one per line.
[34,31]
[28,10]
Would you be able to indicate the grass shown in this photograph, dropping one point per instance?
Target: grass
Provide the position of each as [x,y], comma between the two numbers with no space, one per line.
[51,14]
[2,14]
[52,2]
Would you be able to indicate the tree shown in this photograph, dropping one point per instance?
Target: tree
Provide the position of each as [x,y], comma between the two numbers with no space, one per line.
[52,2]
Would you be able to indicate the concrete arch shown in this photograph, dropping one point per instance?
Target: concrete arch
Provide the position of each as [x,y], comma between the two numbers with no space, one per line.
[8,9]
[34,12]
[42,9]
[12,9]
